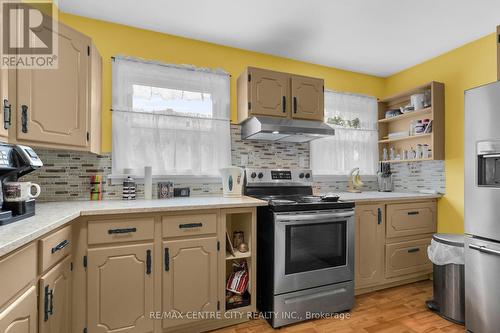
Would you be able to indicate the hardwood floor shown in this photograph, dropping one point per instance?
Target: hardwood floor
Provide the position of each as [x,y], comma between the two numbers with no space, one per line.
[396,310]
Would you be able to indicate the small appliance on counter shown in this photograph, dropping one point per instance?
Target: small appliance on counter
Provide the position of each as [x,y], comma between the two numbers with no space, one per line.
[17,200]
[232,181]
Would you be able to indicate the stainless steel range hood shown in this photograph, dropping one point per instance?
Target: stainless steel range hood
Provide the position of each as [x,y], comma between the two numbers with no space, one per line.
[284,130]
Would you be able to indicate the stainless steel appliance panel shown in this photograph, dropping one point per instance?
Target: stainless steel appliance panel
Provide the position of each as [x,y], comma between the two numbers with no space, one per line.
[300,305]
[482,285]
[313,249]
[482,144]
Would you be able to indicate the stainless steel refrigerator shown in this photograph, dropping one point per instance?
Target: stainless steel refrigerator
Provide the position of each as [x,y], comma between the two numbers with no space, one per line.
[482,208]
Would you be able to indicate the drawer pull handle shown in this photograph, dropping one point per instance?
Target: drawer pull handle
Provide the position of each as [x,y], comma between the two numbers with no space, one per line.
[148,262]
[167,260]
[413,213]
[48,304]
[59,246]
[122,231]
[414,250]
[190,225]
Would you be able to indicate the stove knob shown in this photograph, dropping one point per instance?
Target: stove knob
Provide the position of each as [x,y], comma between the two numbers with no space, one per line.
[308,175]
[301,175]
[261,175]
[253,175]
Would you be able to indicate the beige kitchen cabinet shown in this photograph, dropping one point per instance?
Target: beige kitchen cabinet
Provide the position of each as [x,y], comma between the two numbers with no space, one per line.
[407,257]
[21,315]
[406,219]
[60,108]
[370,245]
[54,301]
[307,98]
[263,92]
[120,289]
[190,277]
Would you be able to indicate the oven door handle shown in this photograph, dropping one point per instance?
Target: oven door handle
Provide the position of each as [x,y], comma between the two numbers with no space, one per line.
[312,218]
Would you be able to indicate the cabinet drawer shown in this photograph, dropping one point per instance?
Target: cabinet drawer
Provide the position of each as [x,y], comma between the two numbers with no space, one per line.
[55,247]
[411,219]
[17,270]
[407,258]
[187,225]
[123,230]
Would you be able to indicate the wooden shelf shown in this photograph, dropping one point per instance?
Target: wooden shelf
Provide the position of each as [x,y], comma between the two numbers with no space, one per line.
[407,115]
[413,137]
[403,161]
[238,255]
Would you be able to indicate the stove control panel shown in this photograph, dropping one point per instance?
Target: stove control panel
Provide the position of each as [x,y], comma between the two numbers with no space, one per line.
[281,177]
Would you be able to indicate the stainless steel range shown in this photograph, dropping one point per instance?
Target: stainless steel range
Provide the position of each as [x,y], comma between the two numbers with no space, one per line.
[305,248]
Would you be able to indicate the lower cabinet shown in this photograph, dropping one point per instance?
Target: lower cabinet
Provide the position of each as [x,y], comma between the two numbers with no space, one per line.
[189,278]
[54,301]
[407,257]
[120,289]
[21,315]
[370,242]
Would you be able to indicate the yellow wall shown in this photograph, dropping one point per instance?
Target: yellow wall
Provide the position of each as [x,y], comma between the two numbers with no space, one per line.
[112,39]
[460,69]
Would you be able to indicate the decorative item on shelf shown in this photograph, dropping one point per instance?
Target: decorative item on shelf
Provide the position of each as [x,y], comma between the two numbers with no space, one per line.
[427,98]
[392,113]
[243,248]
[237,282]
[232,181]
[427,125]
[392,153]
[417,101]
[385,156]
[148,183]
[182,192]
[229,245]
[355,184]
[129,187]
[238,238]
[165,190]
[407,109]
[96,188]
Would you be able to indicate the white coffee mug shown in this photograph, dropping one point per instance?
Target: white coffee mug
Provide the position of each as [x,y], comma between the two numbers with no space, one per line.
[20,191]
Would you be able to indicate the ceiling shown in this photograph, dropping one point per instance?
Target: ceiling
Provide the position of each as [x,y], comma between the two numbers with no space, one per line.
[379,37]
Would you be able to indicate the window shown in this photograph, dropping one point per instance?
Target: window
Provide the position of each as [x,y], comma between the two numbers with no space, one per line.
[354,118]
[173,118]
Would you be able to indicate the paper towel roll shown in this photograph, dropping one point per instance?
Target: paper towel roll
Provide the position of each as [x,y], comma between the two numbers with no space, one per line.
[148,183]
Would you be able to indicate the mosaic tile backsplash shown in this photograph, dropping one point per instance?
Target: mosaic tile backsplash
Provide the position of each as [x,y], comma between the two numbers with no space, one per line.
[66,174]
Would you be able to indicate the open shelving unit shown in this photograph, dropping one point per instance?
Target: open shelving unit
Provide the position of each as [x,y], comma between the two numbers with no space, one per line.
[434,112]
[242,220]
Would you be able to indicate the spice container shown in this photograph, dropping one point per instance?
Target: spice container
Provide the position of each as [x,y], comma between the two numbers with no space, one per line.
[128,192]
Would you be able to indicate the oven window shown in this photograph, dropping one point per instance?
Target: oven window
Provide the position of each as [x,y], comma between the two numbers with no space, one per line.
[315,246]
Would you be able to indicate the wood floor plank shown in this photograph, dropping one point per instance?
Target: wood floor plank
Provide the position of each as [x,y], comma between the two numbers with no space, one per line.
[395,310]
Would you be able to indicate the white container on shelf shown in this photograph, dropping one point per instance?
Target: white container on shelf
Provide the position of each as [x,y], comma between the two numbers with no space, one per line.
[232,181]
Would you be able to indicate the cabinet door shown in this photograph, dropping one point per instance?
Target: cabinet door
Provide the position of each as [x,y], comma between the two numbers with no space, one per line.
[52,104]
[370,232]
[269,93]
[189,277]
[307,98]
[54,305]
[20,316]
[4,103]
[120,289]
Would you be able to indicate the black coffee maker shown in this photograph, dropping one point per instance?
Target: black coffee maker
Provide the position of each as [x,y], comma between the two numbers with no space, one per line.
[15,162]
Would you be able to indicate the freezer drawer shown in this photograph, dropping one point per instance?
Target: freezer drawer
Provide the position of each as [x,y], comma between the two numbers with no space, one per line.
[482,287]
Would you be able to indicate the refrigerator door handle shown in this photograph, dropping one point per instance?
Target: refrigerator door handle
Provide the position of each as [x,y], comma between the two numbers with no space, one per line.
[484,249]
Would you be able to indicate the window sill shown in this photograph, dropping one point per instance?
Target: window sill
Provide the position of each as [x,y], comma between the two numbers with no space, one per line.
[176,179]
[341,178]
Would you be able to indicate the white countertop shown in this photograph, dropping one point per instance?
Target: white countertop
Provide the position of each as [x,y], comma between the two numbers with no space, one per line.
[51,215]
[384,196]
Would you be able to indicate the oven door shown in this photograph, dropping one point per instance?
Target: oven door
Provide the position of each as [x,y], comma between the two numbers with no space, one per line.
[312,249]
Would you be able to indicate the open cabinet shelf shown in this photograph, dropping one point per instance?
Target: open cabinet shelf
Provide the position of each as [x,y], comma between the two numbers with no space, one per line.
[242,220]
[435,113]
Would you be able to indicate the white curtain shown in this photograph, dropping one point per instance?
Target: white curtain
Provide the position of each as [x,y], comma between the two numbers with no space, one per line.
[355,144]
[173,118]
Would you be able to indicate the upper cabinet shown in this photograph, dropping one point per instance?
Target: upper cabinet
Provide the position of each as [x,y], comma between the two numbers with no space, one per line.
[59,108]
[264,92]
